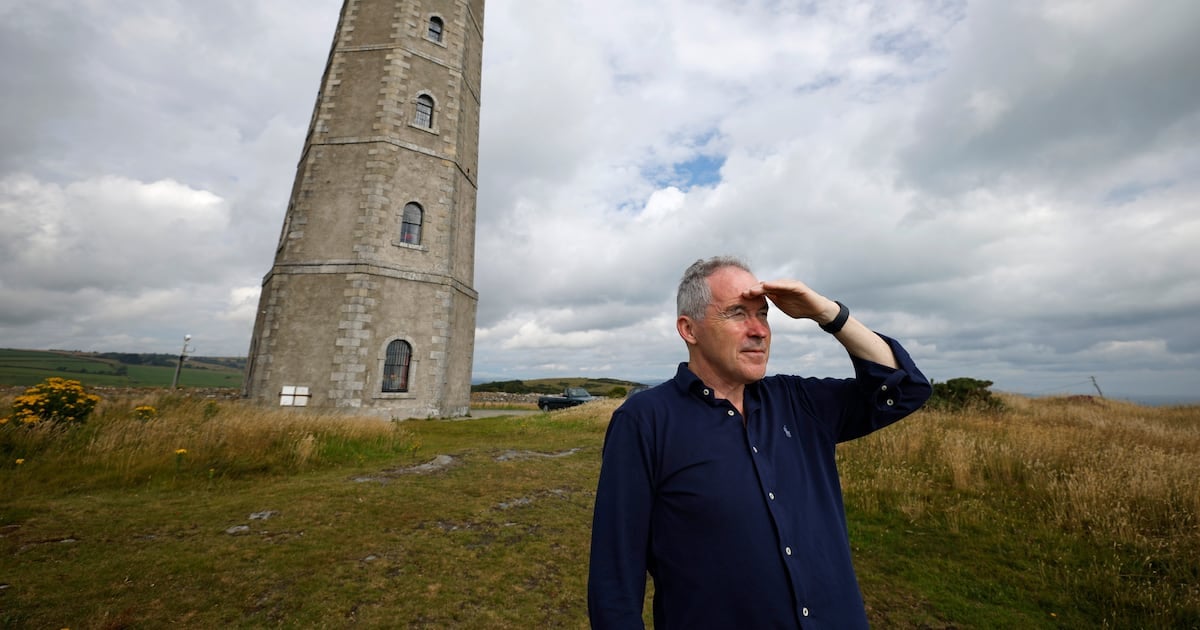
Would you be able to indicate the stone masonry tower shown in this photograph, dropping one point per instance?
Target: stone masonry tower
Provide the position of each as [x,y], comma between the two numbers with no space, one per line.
[369,307]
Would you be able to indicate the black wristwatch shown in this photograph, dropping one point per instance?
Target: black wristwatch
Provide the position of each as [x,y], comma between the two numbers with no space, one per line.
[836,325]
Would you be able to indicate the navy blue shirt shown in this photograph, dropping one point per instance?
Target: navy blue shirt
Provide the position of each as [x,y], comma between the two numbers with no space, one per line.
[740,524]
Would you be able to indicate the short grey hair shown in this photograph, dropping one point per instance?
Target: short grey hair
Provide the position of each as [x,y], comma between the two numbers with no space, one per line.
[694,294]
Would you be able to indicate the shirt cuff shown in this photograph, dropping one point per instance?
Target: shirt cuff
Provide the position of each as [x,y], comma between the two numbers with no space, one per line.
[900,388]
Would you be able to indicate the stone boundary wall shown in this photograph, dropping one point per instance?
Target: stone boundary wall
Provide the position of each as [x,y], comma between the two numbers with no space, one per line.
[503,397]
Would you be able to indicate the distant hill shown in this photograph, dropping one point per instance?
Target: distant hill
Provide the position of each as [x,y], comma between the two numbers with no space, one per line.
[596,386]
[118,369]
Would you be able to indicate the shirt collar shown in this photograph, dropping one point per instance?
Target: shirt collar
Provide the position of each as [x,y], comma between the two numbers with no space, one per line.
[687,381]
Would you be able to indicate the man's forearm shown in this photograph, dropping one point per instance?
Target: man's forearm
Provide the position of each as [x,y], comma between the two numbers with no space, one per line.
[862,342]
[797,300]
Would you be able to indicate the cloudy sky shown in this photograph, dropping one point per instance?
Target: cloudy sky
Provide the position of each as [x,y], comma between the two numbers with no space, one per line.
[1009,187]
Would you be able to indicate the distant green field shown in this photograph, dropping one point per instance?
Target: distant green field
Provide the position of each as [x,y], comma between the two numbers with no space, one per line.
[29,367]
[595,386]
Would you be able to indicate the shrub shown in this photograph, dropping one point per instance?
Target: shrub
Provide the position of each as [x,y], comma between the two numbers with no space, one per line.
[55,400]
[962,393]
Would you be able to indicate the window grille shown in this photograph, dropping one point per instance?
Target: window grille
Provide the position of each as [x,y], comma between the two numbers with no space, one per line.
[410,224]
[436,26]
[424,117]
[395,367]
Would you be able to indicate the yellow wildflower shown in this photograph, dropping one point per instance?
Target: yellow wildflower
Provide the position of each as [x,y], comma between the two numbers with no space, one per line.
[20,460]
[181,451]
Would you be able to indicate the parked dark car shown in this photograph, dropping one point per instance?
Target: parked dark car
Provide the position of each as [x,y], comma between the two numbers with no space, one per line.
[637,389]
[569,398]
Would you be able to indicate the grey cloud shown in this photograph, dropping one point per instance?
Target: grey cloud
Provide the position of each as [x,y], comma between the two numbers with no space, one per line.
[1030,96]
[47,74]
[1005,186]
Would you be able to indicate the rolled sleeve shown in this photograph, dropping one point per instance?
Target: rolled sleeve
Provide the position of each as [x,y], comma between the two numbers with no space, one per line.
[890,393]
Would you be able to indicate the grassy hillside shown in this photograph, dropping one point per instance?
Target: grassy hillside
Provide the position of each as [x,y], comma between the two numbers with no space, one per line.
[595,386]
[28,367]
[1052,514]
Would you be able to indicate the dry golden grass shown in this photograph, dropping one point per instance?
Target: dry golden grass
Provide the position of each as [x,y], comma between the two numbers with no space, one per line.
[1126,471]
[187,434]
[1101,496]
[1053,513]
[597,410]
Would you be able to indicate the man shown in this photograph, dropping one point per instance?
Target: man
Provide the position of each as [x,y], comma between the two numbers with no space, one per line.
[722,484]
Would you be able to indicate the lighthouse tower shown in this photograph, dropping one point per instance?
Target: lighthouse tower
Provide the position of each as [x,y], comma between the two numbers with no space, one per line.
[369,306]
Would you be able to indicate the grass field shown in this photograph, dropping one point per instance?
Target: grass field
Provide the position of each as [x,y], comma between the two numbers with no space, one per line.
[29,367]
[1053,514]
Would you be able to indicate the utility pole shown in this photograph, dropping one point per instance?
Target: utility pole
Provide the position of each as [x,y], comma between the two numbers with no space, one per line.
[1097,386]
[179,366]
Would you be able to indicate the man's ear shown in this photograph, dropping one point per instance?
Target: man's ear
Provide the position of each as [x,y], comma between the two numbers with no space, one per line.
[687,329]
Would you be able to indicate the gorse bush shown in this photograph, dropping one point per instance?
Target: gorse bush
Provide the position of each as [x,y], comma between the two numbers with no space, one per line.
[54,400]
[959,394]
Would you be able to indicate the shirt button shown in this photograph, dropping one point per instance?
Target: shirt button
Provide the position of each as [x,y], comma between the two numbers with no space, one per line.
[754,448]
[771,496]
[890,402]
[706,392]
[883,388]
[804,611]
[787,550]
[731,411]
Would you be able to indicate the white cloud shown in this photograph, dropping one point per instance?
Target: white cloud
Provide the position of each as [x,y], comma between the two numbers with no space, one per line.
[108,231]
[242,306]
[1008,187]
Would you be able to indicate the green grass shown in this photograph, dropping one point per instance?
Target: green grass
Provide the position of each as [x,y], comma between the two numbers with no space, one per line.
[29,367]
[190,376]
[1049,516]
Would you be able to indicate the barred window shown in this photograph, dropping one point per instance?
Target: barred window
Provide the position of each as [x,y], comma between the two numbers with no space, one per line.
[424,117]
[410,224]
[395,368]
[436,26]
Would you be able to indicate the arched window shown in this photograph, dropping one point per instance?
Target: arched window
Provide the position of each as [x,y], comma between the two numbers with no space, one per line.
[410,224]
[436,26]
[395,368]
[424,117]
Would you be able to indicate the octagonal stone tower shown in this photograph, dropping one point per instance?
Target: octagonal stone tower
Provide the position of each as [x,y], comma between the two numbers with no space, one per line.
[369,306]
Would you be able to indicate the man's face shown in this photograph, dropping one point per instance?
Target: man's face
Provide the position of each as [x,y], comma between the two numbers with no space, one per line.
[733,340]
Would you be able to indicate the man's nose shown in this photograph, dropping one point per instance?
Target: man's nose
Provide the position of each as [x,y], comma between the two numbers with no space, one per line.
[758,328]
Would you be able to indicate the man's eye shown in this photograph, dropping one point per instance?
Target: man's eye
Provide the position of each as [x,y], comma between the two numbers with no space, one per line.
[736,316]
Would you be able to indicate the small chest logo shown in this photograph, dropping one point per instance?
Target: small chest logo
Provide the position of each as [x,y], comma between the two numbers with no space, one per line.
[787,431]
